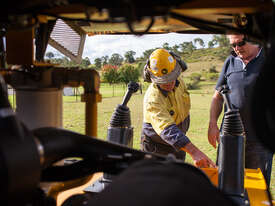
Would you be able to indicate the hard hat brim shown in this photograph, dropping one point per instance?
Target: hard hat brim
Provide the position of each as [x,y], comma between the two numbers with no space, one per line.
[167,77]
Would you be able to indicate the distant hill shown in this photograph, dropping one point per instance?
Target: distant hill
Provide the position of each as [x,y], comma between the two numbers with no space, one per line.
[202,66]
[208,54]
[204,59]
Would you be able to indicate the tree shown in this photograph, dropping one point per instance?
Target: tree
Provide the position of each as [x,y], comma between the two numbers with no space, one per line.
[211,44]
[166,46]
[116,59]
[110,73]
[63,61]
[50,55]
[221,40]
[224,45]
[140,67]
[175,49]
[187,47]
[147,53]
[104,60]
[200,41]
[98,63]
[129,56]
[128,73]
[85,62]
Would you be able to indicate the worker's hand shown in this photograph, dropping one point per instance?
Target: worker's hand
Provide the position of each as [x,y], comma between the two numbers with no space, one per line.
[202,161]
[199,158]
[213,134]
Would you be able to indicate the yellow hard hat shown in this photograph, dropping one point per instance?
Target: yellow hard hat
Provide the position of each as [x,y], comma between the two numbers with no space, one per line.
[163,67]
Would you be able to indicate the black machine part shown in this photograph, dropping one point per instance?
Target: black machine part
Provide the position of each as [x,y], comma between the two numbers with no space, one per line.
[263,98]
[231,158]
[19,157]
[20,153]
[152,182]
[96,155]
[232,123]
[120,130]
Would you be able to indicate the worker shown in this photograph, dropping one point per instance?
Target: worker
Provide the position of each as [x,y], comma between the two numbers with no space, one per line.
[239,73]
[166,109]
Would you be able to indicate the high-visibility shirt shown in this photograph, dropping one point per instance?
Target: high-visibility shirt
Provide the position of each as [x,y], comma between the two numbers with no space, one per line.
[165,114]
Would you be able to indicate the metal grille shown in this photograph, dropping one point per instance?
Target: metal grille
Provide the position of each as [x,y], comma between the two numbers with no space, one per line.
[68,39]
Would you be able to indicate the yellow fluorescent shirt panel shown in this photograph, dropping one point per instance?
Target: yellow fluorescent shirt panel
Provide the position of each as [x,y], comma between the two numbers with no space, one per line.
[157,107]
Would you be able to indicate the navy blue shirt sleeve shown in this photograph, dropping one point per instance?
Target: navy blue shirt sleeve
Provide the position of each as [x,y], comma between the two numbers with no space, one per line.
[174,136]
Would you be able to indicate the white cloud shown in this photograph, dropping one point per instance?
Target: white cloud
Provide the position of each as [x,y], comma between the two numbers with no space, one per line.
[102,45]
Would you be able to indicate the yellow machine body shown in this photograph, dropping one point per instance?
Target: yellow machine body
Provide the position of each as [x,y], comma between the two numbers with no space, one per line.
[254,184]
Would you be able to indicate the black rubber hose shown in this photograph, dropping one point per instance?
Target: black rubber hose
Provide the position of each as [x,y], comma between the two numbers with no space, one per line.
[76,170]
[97,155]
[232,123]
[61,143]
[121,117]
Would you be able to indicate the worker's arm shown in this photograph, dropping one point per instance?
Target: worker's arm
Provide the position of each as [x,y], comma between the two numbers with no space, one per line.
[182,142]
[199,158]
[164,125]
[215,111]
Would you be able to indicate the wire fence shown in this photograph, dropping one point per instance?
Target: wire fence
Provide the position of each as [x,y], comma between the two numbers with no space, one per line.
[74,93]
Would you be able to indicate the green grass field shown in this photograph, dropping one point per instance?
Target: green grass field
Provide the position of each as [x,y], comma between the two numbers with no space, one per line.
[200,99]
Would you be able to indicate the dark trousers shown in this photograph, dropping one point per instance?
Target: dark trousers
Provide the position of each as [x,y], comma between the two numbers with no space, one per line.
[148,145]
[257,156]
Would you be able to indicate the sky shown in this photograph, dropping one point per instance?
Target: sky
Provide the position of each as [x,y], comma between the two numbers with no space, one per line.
[102,45]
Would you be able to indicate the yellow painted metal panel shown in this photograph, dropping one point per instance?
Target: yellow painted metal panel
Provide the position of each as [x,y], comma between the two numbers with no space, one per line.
[212,173]
[257,197]
[254,179]
[254,183]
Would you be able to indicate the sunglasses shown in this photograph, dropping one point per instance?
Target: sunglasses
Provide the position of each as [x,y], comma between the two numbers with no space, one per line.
[239,44]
